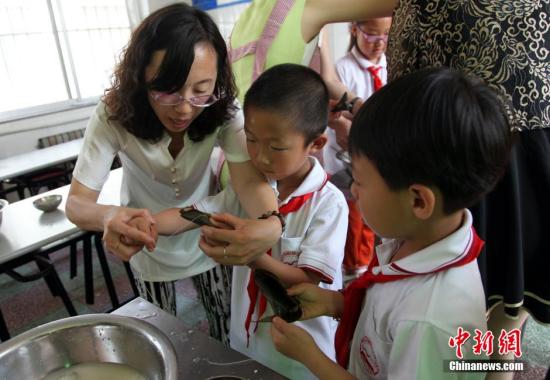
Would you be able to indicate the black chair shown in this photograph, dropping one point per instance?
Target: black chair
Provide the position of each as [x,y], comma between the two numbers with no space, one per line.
[46,270]
[87,252]
[7,186]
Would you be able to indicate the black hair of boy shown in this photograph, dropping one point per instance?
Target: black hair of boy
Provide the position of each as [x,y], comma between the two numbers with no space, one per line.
[436,127]
[293,91]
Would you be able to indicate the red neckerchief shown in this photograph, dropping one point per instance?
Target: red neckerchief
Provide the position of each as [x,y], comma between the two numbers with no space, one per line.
[373,71]
[355,293]
[293,205]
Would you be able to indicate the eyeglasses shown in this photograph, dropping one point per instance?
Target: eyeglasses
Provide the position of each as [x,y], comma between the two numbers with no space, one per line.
[175,99]
[373,37]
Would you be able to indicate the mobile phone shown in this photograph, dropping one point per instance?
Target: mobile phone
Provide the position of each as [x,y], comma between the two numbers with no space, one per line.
[196,216]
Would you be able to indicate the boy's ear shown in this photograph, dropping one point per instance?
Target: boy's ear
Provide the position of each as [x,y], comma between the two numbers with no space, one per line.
[422,201]
[318,144]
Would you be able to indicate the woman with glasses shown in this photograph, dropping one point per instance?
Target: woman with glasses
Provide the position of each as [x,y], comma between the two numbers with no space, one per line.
[172,100]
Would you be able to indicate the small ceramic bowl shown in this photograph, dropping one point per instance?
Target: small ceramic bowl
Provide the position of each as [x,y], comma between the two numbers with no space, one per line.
[48,203]
[3,204]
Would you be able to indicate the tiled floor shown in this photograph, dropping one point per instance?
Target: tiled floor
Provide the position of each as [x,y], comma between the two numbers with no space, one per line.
[26,305]
[15,297]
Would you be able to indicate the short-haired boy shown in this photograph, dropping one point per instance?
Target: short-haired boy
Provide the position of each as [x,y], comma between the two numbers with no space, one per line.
[424,148]
[286,112]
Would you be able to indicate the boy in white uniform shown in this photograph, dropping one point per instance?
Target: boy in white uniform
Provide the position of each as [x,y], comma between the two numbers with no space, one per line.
[286,111]
[423,148]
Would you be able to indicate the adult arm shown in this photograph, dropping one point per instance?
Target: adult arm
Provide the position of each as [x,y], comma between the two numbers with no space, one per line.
[328,70]
[317,13]
[247,239]
[83,210]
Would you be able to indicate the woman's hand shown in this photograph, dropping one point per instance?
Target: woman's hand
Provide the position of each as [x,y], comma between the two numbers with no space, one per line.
[335,88]
[243,242]
[122,238]
[143,224]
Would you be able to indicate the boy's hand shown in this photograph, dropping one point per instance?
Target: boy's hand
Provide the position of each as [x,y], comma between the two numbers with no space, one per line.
[145,225]
[312,299]
[291,340]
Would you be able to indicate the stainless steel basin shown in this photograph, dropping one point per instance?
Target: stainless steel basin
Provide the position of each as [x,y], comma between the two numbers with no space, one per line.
[89,338]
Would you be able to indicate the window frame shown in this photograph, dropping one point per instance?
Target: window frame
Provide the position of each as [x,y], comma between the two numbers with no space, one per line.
[136,10]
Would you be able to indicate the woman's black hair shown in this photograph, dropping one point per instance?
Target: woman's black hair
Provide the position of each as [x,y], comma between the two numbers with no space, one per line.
[436,127]
[176,29]
[294,91]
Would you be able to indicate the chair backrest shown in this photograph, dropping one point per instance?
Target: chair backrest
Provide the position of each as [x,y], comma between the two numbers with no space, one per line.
[59,138]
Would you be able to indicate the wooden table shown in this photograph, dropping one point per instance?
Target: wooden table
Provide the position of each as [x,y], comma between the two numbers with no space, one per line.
[38,159]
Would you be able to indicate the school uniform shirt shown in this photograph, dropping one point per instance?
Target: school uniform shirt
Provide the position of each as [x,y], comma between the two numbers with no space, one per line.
[154,180]
[404,328]
[353,73]
[313,240]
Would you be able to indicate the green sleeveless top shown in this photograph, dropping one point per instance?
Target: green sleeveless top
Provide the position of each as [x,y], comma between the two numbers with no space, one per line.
[272,28]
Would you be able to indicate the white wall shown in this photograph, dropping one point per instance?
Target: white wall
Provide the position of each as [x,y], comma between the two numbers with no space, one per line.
[22,135]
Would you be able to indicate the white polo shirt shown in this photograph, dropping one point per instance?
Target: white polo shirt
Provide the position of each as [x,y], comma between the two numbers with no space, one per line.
[352,71]
[404,327]
[152,179]
[314,240]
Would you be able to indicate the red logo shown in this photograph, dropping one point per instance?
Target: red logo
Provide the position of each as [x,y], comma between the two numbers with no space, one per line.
[290,257]
[368,356]
[508,342]
[484,342]
[457,341]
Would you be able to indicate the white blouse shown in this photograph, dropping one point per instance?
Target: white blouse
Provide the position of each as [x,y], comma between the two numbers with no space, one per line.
[154,180]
